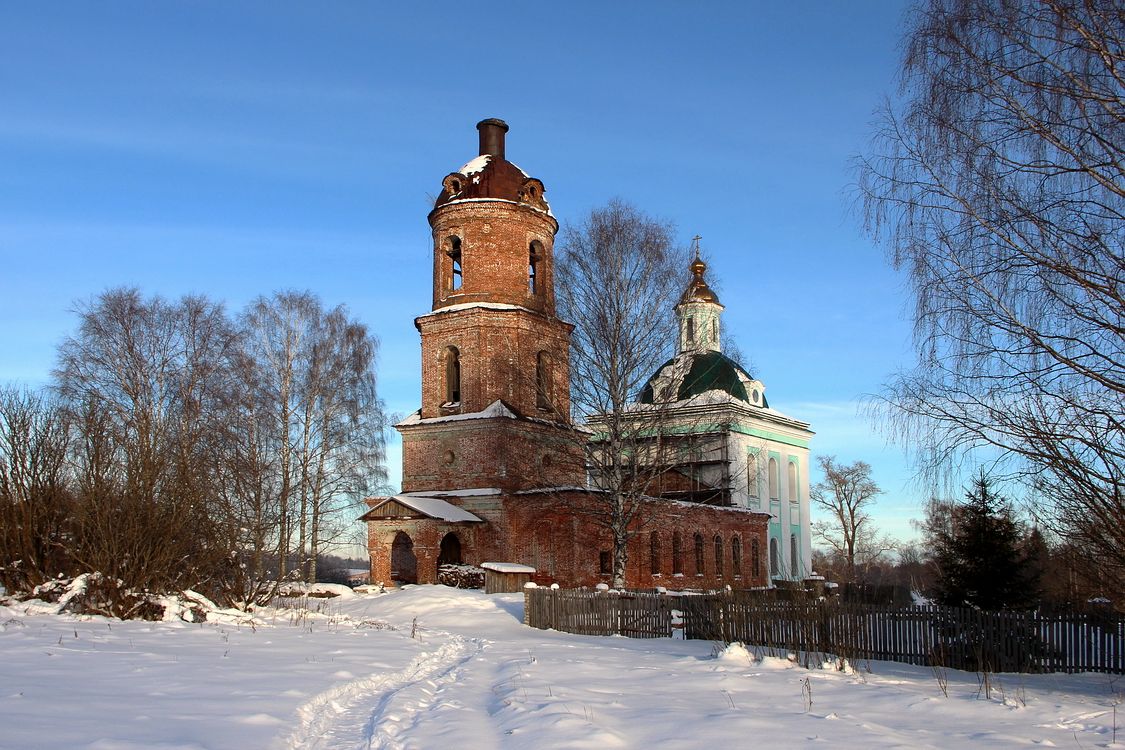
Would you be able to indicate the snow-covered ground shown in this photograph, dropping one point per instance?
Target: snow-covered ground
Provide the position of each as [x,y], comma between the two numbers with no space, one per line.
[432,667]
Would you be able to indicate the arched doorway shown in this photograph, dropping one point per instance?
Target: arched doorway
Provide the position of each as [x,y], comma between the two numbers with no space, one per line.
[404,565]
[450,550]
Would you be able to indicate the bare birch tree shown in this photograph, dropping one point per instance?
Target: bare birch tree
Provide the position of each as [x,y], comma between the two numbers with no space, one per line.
[845,495]
[179,450]
[36,496]
[618,277]
[146,382]
[998,184]
[316,382]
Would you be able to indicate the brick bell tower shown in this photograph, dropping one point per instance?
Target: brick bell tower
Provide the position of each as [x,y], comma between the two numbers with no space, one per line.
[495,382]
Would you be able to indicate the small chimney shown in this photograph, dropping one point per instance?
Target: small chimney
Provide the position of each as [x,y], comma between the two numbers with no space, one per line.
[492,133]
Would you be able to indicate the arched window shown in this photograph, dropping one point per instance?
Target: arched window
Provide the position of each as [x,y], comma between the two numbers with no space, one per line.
[714,330]
[699,554]
[773,478]
[792,481]
[736,556]
[677,553]
[793,555]
[755,559]
[718,555]
[454,253]
[775,563]
[654,553]
[452,375]
[690,330]
[543,380]
[753,477]
[534,259]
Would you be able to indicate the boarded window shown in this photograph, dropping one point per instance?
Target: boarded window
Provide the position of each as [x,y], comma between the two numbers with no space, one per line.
[775,563]
[736,556]
[774,478]
[543,380]
[699,554]
[654,553]
[752,476]
[718,555]
[452,375]
[755,558]
[793,556]
[677,553]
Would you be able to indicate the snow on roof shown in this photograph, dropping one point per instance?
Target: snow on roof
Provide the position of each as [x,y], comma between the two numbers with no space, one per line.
[479,163]
[476,165]
[507,567]
[474,492]
[481,305]
[495,409]
[720,508]
[433,507]
[717,398]
[563,488]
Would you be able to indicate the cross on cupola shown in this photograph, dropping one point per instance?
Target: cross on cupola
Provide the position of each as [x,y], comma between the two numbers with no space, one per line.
[699,309]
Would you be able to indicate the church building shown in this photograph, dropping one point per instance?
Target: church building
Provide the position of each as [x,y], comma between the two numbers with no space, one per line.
[741,452]
[493,470]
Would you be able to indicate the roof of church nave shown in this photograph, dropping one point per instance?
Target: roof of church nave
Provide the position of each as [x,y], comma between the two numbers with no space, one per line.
[692,373]
[491,176]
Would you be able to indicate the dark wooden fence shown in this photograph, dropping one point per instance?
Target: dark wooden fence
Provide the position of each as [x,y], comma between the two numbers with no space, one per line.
[953,637]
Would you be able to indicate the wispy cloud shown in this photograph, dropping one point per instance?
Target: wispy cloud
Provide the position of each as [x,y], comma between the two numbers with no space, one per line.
[160,138]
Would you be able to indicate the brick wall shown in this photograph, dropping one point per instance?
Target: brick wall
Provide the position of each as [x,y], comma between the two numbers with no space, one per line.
[498,351]
[508,454]
[495,239]
[553,534]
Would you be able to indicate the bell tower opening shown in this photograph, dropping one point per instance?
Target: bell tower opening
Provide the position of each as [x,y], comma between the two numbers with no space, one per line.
[454,253]
[534,258]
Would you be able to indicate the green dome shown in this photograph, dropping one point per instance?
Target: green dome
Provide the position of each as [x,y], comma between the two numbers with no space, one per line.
[703,371]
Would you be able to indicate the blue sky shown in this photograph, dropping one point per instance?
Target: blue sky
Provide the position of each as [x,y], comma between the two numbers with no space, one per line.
[234,149]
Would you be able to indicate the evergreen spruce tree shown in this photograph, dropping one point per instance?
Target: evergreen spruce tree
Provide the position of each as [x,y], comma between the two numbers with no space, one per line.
[979,554]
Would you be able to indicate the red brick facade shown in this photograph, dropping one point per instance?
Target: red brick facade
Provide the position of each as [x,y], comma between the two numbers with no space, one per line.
[495,406]
[550,532]
[502,452]
[499,352]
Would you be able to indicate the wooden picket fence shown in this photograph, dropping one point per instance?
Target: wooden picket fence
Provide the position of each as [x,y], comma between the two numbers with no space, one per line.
[952,637]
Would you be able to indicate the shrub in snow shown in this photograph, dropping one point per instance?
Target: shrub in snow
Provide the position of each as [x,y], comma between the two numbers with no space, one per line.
[96,594]
[461,576]
[315,590]
[735,653]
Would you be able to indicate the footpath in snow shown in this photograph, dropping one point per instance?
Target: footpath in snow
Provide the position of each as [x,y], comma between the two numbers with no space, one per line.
[433,667]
